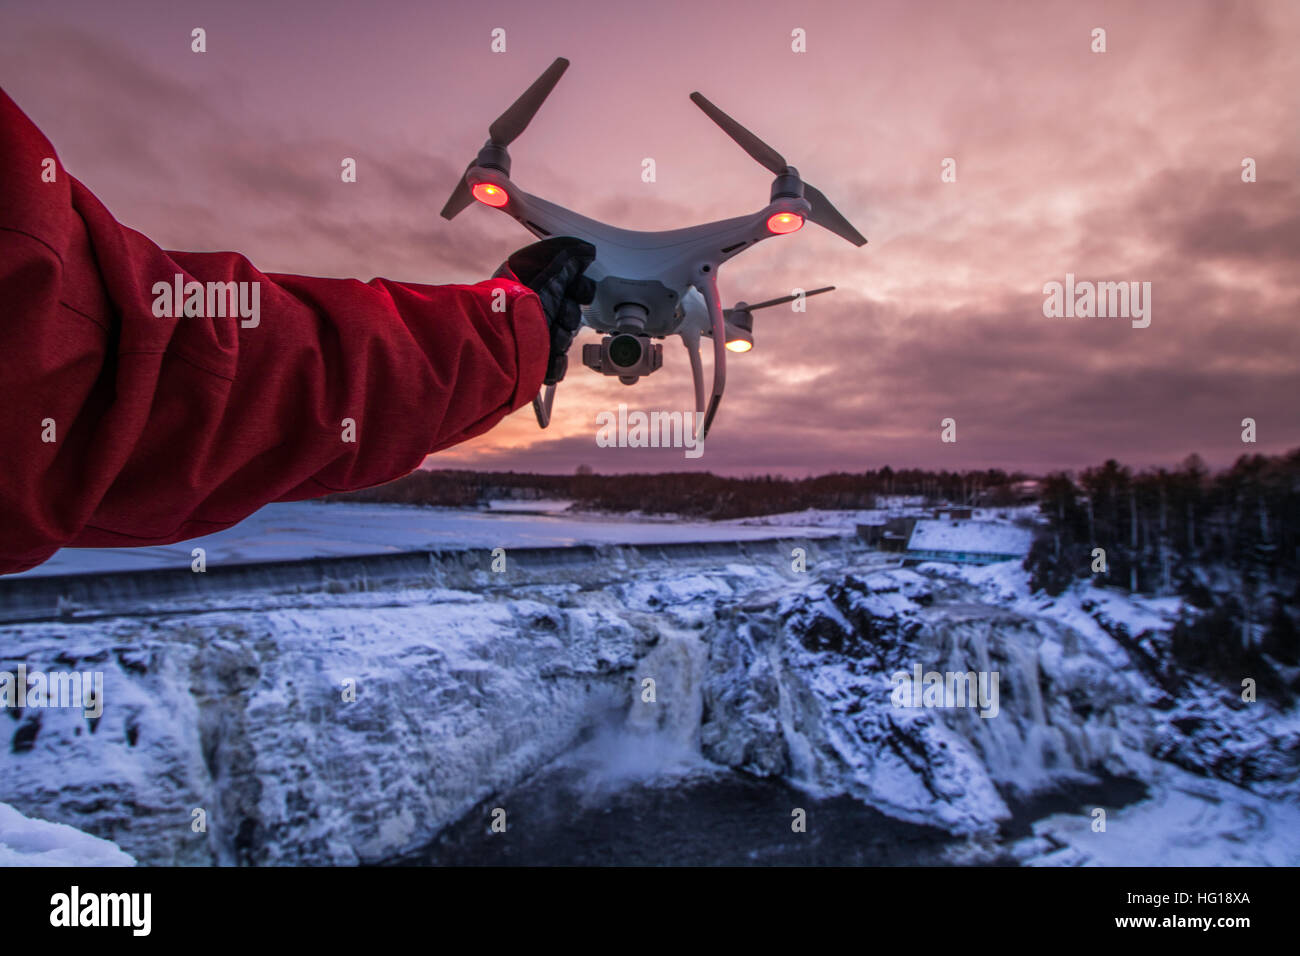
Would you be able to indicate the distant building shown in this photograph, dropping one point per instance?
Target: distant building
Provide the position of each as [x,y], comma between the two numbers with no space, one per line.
[952,511]
[967,542]
[890,535]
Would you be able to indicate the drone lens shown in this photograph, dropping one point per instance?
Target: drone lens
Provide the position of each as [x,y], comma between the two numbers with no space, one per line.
[625,351]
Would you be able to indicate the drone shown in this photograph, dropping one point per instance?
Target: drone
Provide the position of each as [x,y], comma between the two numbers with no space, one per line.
[650,285]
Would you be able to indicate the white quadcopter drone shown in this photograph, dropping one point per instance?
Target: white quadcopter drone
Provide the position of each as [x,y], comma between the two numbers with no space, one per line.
[651,284]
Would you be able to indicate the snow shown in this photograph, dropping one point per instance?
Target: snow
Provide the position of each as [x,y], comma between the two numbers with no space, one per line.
[1189,821]
[243,713]
[899,501]
[466,690]
[530,506]
[811,518]
[982,537]
[1088,610]
[28,842]
[294,530]
[460,694]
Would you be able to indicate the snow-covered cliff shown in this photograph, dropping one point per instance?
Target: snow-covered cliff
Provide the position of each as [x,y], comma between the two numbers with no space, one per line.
[352,726]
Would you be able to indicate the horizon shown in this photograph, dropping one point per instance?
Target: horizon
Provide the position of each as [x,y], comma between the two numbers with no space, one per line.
[431,464]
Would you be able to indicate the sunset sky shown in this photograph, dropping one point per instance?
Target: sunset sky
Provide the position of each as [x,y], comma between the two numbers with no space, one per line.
[1123,165]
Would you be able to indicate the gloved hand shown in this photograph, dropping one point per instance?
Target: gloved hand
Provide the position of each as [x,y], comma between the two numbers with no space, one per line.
[553,269]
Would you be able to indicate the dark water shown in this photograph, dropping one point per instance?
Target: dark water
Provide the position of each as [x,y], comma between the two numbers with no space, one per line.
[725,819]
[1108,791]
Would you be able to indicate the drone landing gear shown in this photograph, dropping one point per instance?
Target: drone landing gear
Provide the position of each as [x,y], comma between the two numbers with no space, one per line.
[542,406]
[704,414]
[718,322]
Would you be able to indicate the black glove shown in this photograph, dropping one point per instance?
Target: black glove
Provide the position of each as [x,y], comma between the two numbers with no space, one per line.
[553,269]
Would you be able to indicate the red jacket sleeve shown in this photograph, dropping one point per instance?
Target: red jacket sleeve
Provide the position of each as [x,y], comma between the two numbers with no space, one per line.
[121,426]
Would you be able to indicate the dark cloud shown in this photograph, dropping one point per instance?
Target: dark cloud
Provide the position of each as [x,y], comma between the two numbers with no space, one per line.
[1123,166]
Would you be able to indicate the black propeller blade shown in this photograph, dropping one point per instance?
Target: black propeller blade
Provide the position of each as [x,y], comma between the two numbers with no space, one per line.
[507,127]
[515,120]
[823,213]
[460,197]
[759,150]
[786,298]
[828,217]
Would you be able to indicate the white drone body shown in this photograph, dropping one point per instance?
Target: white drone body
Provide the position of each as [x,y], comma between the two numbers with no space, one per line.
[650,285]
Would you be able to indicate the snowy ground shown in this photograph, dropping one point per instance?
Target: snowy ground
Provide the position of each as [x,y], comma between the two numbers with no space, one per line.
[305,529]
[848,519]
[1187,821]
[28,842]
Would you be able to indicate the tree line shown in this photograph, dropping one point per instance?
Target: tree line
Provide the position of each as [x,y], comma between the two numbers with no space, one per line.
[1229,543]
[698,495]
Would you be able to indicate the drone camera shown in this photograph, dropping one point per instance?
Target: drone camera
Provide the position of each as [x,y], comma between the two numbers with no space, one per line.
[627,355]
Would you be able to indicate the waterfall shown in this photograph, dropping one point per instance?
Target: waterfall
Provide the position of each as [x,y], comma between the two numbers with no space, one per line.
[803,758]
[658,737]
[672,718]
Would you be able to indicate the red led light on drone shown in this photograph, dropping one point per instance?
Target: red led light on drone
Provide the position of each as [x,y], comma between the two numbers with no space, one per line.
[490,195]
[784,222]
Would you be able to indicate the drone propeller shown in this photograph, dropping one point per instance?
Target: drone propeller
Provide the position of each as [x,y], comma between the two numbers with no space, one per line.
[743,307]
[759,150]
[460,196]
[506,129]
[823,213]
[515,120]
[828,217]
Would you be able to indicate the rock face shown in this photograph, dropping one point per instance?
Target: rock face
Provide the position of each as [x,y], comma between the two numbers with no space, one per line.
[802,687]
[805,688]
[336,728]
[248,717]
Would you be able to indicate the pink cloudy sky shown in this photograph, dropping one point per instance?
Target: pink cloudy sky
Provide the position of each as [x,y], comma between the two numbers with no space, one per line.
[1117,166]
